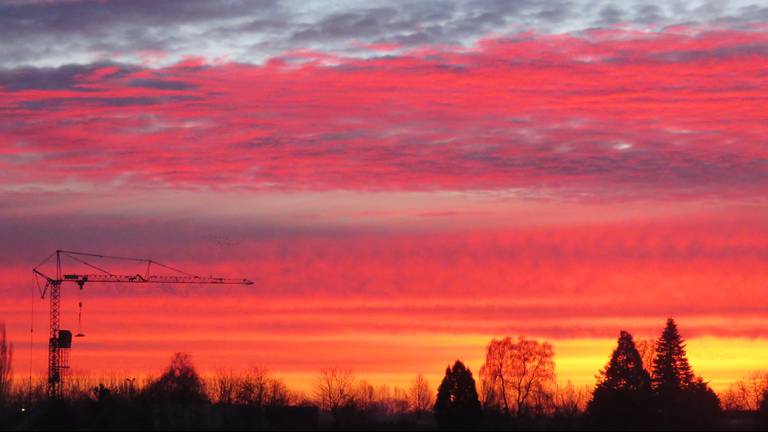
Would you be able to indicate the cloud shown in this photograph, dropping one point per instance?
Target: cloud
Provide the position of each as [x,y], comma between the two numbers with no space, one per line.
[56,33]
[161,84]
[610,114]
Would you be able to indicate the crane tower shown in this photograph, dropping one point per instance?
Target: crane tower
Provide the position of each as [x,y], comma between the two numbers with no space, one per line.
[60,340]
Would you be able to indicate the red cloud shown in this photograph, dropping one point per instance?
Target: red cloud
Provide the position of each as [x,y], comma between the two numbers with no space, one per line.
[618,113]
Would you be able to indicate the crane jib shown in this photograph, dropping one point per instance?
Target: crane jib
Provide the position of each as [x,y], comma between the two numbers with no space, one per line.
[137,278]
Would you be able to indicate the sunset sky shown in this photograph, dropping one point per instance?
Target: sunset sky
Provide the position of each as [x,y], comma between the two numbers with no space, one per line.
[402,181]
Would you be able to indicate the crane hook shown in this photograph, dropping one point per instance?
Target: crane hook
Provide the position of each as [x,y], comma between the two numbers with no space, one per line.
[80,320]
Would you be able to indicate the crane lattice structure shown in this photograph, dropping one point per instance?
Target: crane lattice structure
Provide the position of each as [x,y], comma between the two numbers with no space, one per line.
[60,341]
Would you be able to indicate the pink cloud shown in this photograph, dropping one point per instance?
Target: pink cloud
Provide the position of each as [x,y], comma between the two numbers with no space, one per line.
[616,113]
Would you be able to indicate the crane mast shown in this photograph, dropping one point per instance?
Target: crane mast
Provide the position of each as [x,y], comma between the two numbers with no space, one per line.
[60,341]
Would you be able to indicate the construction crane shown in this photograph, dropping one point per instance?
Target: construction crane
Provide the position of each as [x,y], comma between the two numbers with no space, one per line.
[60,341]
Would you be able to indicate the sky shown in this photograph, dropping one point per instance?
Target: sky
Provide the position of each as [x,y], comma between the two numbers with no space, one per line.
[402,181]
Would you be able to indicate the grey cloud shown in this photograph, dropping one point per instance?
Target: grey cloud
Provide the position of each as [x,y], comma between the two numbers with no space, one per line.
[162,84]
[41,78]
[49,104]
[352,24]
[648,14]
[749,13]
[554,13]
[88,27]
[419,38]
[721,53]
[252,26]
[431,22]
[610,14]
[38,236]
[52,34]
[59,78]
[91,17]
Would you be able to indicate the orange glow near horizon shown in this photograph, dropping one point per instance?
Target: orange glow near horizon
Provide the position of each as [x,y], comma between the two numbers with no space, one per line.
[412,302]
[719,360]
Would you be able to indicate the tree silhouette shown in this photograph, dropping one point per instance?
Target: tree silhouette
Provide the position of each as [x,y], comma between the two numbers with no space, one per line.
[682,400]
[570,401]
[671,371]
[747,393]
[419,395]
[6,358]
[333,388]
[457,404]
[762,412]
[179,383]
[623,396]
[647,349]
[493,373]
[517,371]
[364,396]
[699,406]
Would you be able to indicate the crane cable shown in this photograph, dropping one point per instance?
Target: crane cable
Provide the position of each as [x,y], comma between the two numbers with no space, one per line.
[32,337]
[72,254]
[80,314]
[89,264]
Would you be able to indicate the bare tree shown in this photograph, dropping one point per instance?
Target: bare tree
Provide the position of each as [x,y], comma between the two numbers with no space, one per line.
[519,373]
[570,401]
[746,394]
[6,358]
[488,393]
[256,387]
[647,349]
[179,383]
[397,401]
[253,388]
[365,395]
[278,393]
[333,388]
[495,372]
[381,400]
[224,387]
[420,398]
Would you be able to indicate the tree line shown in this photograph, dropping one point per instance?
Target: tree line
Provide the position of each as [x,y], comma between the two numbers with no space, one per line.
[633,391]
[644,385]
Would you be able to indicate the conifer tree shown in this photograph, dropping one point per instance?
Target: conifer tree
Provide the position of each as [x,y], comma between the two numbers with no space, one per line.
[457,404]
[625,369]
[683,400]
[671,370]
[623,396]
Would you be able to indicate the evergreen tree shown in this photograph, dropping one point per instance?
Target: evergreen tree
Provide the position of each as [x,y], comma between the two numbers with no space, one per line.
[671,371]
[457,404]
[698,407]
[625,369]
[623,397]
[683,401]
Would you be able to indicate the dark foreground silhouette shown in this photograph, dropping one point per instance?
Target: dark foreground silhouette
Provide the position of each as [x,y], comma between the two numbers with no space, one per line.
[516,390]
